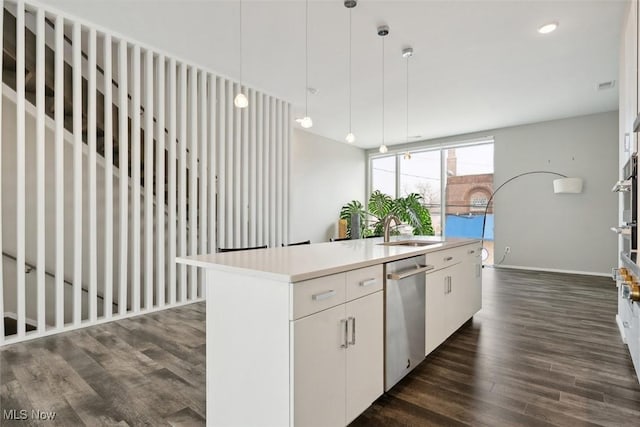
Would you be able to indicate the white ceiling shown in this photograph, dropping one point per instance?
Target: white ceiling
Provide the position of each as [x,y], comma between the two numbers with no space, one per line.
[478,64]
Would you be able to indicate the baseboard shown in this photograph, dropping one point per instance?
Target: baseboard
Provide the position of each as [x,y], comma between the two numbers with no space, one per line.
[621,328]
[552,270]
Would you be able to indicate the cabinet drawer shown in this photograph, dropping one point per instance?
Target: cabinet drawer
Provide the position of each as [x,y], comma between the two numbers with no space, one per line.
[364,281]
[443,259]
[311,296]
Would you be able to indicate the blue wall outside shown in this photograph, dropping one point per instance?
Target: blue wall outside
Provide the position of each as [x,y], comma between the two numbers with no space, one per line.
[469,226]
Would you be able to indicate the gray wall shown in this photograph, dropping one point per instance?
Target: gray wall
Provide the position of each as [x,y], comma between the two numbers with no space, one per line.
[568,232]
[325,174]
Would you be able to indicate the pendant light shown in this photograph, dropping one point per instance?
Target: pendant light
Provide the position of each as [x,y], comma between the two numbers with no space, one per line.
[383,31]
[350,4]
[240,101]
[306,121]
[407,53]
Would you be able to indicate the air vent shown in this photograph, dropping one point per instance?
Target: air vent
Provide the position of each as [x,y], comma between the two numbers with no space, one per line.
[606,85]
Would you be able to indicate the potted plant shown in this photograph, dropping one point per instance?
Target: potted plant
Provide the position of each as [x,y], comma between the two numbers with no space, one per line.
[409,209]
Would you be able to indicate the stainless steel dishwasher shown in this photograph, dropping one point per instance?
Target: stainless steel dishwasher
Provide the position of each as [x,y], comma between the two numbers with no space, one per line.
[404,311]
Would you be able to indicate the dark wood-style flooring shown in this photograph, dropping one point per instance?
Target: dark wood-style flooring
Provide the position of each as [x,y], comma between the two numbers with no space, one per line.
[544,350]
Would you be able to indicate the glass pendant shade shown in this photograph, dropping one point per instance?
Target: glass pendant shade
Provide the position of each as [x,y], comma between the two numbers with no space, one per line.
[306,122]
[350,138]
[383,148]
[241,101]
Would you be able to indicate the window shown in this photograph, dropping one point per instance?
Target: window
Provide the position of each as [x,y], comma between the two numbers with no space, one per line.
[455,182]
[383,175]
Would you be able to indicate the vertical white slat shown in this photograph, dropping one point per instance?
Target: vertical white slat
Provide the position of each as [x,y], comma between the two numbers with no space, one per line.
[182,182]
[273,171]
[213,170]
[1,127]
[229,216]
[78,179]
[253,218]
[222,169]
[238,210]
[278,187]
[267,170]
[91,139]
[172,181]
[20,179]
[108,178]
[59,160]
[203,213]
[286,169]
[260,169]
[148,180]
[193,177]
[244,178]
[40,172]
[135,180]
[123,166]
[160,182]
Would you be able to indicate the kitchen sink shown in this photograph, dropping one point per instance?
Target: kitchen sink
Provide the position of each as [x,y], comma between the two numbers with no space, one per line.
[414,243]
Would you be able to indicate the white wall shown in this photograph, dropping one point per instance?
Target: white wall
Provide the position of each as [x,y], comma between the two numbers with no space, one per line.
[558,231]
[568,232]
[325,174]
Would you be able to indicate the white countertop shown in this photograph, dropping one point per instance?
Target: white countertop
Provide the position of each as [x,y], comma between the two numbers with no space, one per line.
[297,263]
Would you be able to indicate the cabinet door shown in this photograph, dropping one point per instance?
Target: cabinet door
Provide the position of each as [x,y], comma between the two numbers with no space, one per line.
[365,363]
[458,300]
[319,369]
[475,293]
[437,327]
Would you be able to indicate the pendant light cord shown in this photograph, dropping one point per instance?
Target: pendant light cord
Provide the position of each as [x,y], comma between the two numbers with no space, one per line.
[350,73]
[407,124]
[383,90]
[240,44]
[306,58]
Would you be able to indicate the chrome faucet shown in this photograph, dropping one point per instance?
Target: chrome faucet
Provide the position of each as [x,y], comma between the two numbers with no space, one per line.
[387,225]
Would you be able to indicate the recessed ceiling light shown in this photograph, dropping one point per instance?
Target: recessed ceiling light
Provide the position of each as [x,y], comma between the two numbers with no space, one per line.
[548,28]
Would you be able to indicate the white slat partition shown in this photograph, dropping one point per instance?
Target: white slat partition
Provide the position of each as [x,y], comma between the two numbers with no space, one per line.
[172,203]
[91,139]
[123,154]
[260,184]
[77,174]
[160,182]
[229,175]
[2,310]
[203,212]
[20,179]
[182,181]
[108,178]
[223,183]
[135,179]
[148,180]
[40,172]
[213,170]
[253,183]
[192,205]
[244,178]
[59,159]
[237,173]
[222,169]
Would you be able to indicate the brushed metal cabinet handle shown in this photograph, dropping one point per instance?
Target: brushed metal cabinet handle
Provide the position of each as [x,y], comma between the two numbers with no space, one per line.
[446,286]
[353,331]
[448,258]
[345,329]
[323,295]
[368,282]
[471,252]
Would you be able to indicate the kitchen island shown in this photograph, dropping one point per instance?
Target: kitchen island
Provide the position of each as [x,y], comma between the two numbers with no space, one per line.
[296,335]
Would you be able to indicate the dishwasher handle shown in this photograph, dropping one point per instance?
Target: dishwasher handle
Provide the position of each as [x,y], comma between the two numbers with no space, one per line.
[421,268]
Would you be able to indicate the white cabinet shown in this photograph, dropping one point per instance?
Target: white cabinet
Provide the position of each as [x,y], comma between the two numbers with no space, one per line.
[338,352]
[453,293]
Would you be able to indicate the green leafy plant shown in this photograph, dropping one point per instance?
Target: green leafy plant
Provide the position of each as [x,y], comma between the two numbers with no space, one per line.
[410,210]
